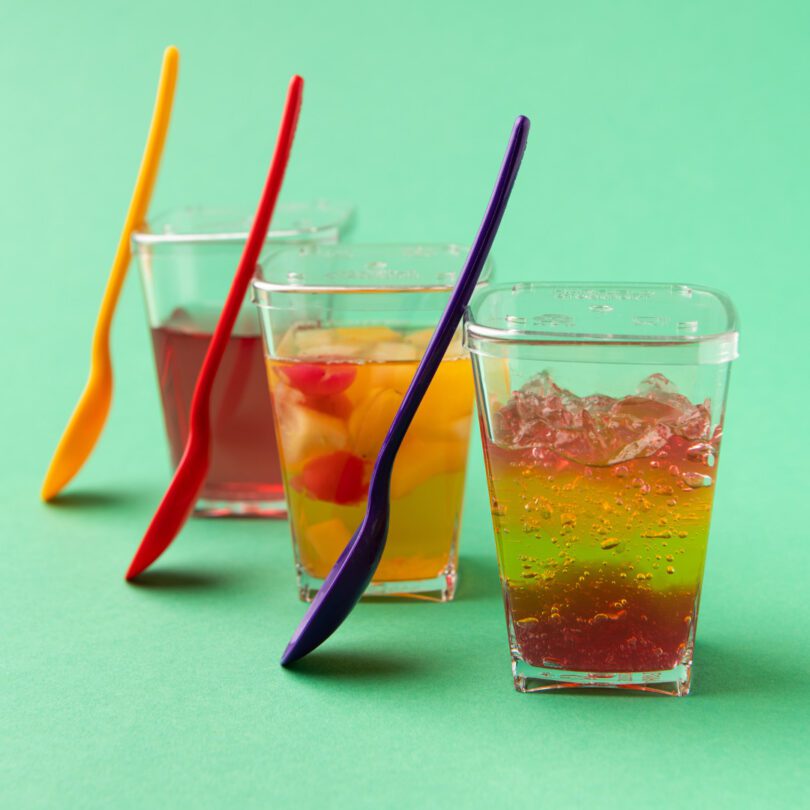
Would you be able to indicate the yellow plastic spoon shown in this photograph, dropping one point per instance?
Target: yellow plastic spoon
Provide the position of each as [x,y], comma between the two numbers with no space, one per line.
[90,414]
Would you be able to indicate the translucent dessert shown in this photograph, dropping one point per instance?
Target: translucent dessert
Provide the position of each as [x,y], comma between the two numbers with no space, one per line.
[336,392]
[601,509]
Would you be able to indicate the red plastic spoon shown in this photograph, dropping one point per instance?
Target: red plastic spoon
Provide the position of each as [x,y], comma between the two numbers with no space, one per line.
[182,493]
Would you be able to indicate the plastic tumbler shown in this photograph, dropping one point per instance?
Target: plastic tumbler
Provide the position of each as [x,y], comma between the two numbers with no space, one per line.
[601,411]
[344,329]
[187,259]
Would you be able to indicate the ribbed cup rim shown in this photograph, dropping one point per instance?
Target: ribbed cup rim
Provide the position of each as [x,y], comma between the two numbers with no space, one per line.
[294,283]
[477,330]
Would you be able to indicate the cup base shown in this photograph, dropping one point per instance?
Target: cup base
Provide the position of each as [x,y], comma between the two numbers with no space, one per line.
[674,682]
[220,507]
[441,588]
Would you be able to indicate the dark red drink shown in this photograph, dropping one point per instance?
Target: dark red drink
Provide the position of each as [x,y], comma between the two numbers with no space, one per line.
[245,473]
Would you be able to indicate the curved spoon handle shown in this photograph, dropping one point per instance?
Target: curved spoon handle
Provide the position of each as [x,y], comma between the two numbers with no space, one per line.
[459,299]
[87,421]
[199,414]
[179,498]
[141,194]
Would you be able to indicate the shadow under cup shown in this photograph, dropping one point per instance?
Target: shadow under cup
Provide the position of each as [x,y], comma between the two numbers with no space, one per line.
[601,413]
[187,259]
[344,328]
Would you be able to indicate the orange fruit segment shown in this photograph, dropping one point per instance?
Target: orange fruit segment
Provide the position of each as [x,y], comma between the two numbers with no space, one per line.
[450,397]
[325,541]
[394,376]
[371,420]
[306,433]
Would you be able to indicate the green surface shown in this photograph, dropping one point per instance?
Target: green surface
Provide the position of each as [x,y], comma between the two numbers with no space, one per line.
[669,143]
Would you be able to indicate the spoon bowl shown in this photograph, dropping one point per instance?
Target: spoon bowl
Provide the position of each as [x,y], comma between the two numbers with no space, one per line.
[85,426]
[175,508]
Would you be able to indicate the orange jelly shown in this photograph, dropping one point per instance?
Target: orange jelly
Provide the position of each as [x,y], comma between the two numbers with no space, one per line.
[335,393]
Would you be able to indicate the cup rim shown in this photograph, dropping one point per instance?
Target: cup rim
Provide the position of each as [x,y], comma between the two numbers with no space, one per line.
[340,215]
[474,329]
[262,287]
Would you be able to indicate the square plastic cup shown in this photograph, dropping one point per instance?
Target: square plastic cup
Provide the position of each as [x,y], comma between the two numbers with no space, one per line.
[344,330]
[187,259]
[601,410]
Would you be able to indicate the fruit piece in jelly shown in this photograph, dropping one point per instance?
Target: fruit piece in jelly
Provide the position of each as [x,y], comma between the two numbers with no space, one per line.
[306,433]
[371,419]
[449,397]
[338,477]
[332,352]
[394,376]
[302,340]
[320,343]
[339,405]
[318,379]
[326,540]
[390,352]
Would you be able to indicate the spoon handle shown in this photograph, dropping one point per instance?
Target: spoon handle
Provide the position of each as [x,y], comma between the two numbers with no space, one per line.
[90,414]
[179,498]
[454,310]
[199,415]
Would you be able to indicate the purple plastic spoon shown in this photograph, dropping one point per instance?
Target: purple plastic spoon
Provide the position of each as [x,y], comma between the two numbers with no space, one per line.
[357,563]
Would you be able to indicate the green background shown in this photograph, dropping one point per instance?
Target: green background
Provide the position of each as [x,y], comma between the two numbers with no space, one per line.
[670,142]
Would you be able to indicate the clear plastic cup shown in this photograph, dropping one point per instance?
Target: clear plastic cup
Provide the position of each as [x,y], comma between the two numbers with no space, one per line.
[601,416]
[187,259]
[345,327]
